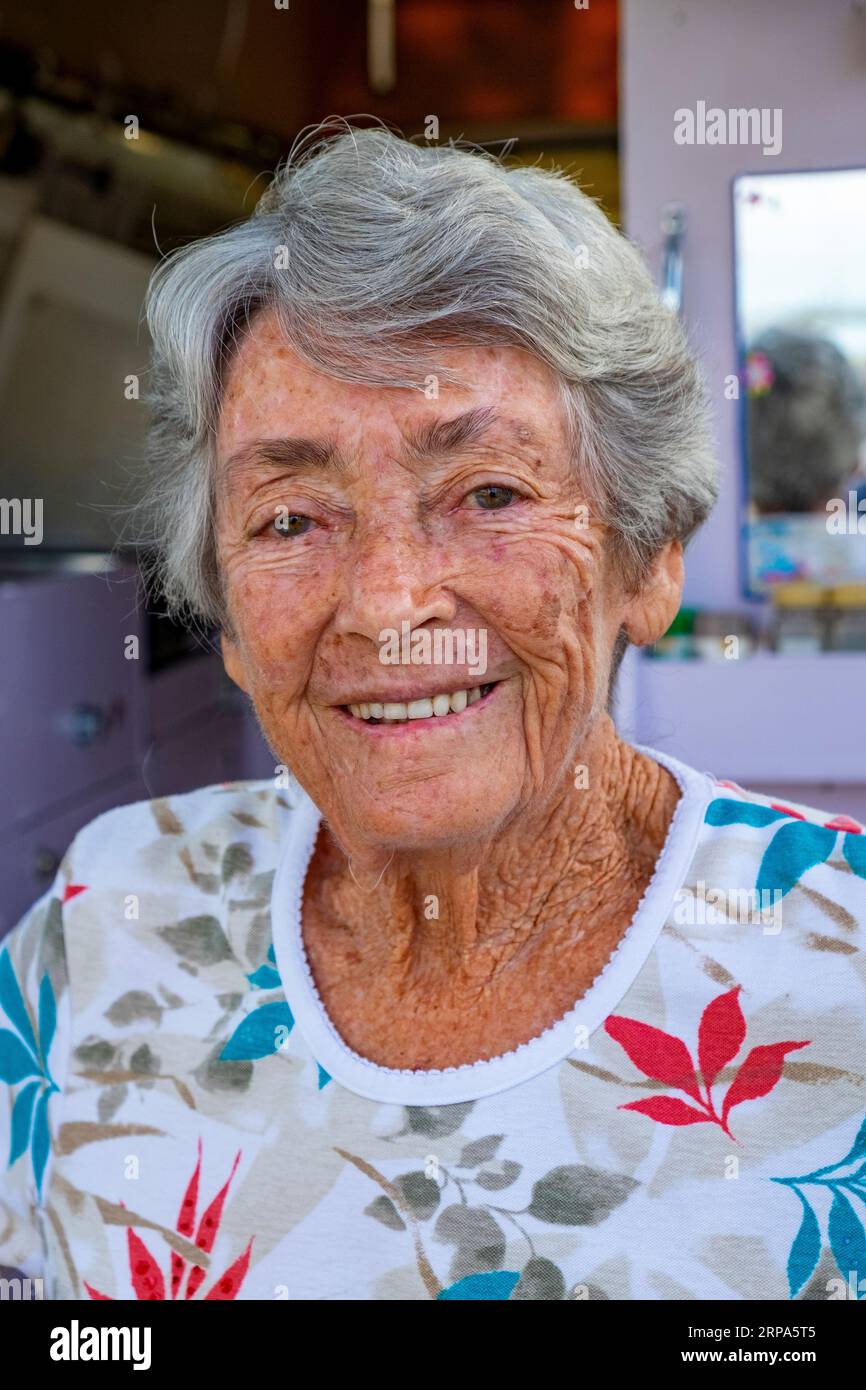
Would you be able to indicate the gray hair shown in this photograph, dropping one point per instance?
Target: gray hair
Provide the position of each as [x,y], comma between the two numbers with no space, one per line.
[805,431]
[374,251]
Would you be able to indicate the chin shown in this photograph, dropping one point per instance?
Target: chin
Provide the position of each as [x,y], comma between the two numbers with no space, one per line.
[444,812]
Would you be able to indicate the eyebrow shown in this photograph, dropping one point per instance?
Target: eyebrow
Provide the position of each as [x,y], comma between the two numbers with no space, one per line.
[288,453]
[442,437]
[436,439]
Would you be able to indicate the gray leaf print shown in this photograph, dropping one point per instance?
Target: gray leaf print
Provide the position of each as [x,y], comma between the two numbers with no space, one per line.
[143,1060]
[110,1102]
[237,859]
[135,1004]
[437,1121]
[383,1209]
[479,1150]
[95,1054]
[502,1175]
[215,1075]
[198,939]
[420,1193]
[541,1279]
[480,1243]
[575,1195]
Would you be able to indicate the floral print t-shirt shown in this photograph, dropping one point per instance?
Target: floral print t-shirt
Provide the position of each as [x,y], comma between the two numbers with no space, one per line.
[180,1119]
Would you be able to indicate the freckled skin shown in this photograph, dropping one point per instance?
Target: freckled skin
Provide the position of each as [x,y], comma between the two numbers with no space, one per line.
[536,881]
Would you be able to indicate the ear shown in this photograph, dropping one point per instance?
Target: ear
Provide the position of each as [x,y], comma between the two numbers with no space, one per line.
[649,613]
[234,666]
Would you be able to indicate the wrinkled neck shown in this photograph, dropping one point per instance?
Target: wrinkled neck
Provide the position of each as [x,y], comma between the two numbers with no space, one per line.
[471,911]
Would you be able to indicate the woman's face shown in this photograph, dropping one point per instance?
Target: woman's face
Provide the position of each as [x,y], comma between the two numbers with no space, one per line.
[350,520]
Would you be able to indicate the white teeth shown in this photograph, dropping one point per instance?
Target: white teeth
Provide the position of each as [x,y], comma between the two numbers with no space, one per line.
[398,711]
[420,709]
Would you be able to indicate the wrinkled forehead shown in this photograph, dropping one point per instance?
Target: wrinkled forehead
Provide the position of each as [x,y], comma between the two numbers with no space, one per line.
[269,390]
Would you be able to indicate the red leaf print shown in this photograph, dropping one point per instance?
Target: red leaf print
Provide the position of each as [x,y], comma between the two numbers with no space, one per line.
[655,1053]
[195,1281]
[720,1034]
[845,823]
[227,1287]
[145,1273]
[207,1230]
[777,806]
[210,1222]
[72,890]
[185,1224]
[668,1110]
[94,1293]
[759,1074]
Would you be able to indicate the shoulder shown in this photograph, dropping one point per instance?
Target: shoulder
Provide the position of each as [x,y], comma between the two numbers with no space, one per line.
[780,849]
[731,802]
[131,873]
[219,814]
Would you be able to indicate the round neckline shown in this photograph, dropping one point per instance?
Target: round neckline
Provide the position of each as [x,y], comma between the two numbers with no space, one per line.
[475,1080]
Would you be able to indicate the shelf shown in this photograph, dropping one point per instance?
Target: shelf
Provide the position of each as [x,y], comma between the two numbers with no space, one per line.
[765,718]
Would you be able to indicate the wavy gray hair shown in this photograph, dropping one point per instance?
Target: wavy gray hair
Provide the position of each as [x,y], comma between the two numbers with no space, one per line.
[374,251]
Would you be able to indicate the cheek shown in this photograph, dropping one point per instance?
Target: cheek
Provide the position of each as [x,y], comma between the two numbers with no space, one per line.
[277,618]
[538,590]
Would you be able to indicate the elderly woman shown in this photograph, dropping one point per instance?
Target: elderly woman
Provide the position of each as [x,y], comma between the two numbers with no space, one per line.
[473,1000]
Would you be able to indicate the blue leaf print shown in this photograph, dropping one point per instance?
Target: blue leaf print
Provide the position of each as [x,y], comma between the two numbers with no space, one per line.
[22,1116]
[13,1002]
[15,1060]
[256,1035]
[324,1076]
[847,1240]
[806,1250]
[47,1019]
[495,1285]
[854,850]
[796,846]
[858,1148]
[847,1236]
[41,1139]
[265,978]
[271,956]
[726,811]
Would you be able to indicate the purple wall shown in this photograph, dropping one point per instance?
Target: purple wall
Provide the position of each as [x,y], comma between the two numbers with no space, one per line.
[775,726]
[807,57]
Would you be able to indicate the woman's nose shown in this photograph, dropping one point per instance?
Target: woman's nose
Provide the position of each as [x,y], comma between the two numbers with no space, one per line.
[392,577]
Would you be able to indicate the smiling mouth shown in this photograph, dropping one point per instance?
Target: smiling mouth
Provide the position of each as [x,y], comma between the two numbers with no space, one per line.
[435,707]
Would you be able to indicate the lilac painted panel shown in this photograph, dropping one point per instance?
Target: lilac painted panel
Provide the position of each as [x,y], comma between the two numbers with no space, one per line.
[70,700]
[192,685]
[766,718]
[203,752]
[807,59]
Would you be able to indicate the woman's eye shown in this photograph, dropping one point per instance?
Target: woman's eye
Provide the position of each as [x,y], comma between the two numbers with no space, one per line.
[291,524]
[493,497]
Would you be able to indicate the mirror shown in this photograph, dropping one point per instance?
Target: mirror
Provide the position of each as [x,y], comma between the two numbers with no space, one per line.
[800,273]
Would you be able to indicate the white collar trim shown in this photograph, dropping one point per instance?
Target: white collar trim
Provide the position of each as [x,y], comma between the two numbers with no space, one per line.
[473,1081]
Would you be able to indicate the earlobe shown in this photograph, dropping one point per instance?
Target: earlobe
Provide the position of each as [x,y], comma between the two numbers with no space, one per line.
[651,611]
[234,667]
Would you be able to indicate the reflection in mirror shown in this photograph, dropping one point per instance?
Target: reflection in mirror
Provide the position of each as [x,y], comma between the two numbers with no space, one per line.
[800,249]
